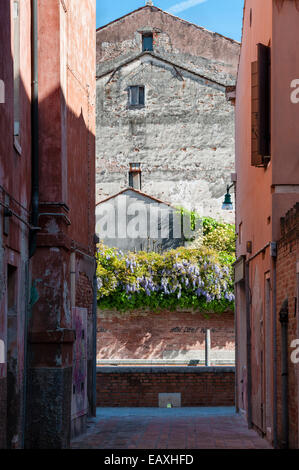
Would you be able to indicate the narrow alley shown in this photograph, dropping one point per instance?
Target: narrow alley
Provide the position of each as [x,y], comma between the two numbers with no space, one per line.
[176,428]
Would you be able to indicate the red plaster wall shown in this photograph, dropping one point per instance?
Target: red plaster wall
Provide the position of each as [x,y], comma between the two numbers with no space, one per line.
[142,335]
[263,195]
[141,389]
[66,59]
[15,182]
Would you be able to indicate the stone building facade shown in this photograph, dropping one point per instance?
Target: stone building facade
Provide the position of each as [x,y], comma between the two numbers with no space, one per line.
[47,223]
[161,100]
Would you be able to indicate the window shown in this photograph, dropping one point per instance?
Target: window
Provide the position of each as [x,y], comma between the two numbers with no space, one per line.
[147,42]
[136,95]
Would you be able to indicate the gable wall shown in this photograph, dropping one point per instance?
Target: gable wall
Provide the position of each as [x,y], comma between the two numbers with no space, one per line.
[172,36]
[184,136]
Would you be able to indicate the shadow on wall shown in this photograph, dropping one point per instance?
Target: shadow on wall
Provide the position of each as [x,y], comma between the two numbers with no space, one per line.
[59,180]
[165,335]
[66,178]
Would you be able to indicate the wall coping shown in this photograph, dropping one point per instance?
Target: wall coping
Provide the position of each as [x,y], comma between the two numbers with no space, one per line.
[146,311]
[165,370]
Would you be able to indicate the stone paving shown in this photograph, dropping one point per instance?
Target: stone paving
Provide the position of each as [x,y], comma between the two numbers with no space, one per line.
[176,428]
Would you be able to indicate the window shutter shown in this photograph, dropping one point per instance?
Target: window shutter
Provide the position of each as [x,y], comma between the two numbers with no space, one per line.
[141,95]
[264,99]
[260,107]
[256,159]
[134,95]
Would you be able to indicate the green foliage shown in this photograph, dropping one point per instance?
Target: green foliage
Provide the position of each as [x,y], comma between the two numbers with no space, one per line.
[219,236]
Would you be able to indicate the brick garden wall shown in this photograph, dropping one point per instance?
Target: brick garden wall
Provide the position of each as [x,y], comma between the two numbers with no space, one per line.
[165,335]
[140,387]
[288,256]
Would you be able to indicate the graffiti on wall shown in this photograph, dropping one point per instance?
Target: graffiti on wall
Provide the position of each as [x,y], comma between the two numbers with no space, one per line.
[79,391]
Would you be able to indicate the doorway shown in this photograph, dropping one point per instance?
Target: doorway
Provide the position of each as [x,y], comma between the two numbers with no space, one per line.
[12,357]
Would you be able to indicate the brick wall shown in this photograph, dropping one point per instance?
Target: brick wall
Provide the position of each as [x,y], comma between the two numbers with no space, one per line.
[140,387]
[84,292]
[176,335]
[288,255]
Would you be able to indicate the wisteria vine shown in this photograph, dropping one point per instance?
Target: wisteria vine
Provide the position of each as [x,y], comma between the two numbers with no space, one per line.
[184,278]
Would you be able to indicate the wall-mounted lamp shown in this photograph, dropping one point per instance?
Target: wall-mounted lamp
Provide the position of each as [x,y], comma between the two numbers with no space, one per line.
[227,204]
[249,247]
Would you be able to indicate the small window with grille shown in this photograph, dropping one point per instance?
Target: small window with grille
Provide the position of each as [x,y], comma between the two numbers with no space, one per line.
[136,96]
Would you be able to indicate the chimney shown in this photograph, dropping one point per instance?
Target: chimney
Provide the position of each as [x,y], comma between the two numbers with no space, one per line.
[135,176]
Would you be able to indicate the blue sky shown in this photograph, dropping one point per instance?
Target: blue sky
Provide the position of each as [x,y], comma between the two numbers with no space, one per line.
[221,16]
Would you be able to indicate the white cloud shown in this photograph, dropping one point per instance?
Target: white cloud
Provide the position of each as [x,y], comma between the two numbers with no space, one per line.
[182,6]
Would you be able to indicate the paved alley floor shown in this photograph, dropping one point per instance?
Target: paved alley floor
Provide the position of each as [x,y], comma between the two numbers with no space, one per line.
[176,428]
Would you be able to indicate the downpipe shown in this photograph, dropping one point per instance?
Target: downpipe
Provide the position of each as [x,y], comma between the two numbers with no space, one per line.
[34,194]
[34,128]
[273,247]
[284,319]
[94,364]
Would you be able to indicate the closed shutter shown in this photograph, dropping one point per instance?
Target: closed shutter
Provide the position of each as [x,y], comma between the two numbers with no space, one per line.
[264,99]
[256,159]
[260,107]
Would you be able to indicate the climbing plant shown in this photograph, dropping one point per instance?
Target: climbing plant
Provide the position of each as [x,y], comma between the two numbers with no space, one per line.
[199,277]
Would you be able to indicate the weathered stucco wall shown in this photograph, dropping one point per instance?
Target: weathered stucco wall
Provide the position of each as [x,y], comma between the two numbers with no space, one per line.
[15,188]
[184,135]
[264,195]
[63,265]
[174,38]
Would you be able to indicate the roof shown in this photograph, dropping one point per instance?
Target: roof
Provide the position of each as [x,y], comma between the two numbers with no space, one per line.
[243,27]
[162,59]
[137,192]
[154,8]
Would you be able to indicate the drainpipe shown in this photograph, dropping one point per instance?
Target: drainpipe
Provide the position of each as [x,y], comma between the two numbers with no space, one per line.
[248,344]
[274,315]
[284,318]
[34,191]
[34,127]
[94,315]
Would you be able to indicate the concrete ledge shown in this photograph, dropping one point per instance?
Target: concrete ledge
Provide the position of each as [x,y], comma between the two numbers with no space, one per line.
[161,362]
[165,370]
